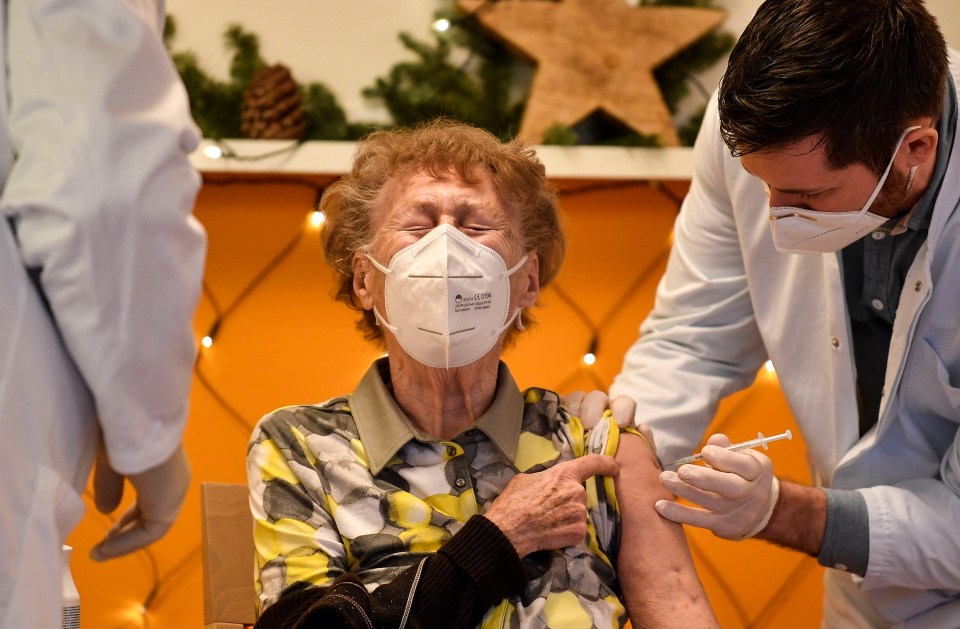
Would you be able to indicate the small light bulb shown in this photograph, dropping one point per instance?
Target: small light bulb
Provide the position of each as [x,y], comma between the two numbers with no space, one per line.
[206,341]
[589,358]
[442,25]
[317,218]
[769,366]
[213,151]
[135,614]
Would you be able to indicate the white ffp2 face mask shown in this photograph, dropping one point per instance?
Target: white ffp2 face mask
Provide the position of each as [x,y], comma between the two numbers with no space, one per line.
[447,298]
[797,230]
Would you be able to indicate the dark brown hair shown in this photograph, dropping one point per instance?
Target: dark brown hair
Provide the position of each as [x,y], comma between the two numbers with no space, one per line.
[440,148]
[853,71]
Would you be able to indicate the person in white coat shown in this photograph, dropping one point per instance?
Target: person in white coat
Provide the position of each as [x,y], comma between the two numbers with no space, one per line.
[100,271]
[822,231]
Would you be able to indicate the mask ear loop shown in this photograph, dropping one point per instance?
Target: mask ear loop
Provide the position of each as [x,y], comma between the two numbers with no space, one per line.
[883,178]
[383,322]
[516,317]
[513,269]
[517,314]
[380,320]
[379,266]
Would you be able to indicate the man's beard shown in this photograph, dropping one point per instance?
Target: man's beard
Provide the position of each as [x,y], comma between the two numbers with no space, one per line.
[889,202]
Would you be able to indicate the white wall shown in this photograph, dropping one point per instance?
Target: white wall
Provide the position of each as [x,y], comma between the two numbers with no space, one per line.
[346,44]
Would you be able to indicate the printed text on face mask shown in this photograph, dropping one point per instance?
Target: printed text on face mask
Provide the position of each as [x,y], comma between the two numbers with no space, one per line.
[477,301]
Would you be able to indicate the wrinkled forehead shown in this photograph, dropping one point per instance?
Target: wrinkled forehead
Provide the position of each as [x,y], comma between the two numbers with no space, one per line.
[466,172]
[429,189]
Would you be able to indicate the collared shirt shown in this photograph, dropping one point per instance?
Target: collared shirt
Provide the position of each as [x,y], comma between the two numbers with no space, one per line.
[874,269]
[352,486]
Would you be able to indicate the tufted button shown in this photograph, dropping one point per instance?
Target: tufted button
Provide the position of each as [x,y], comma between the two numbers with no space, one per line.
[451,451]
[877,304]
[460,482]
[918,286]
[878,235]
[835,342]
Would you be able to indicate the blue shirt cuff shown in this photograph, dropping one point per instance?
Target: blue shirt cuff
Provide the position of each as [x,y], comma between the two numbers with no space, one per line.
[846,541]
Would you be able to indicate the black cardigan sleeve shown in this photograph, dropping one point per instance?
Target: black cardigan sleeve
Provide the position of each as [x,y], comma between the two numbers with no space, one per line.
[477,568]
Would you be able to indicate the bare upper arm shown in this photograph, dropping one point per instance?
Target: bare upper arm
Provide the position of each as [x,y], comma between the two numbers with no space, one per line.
[638,464]
[659,580]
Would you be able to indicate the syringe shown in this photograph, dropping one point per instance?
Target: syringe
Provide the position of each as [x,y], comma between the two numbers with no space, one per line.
[743,445]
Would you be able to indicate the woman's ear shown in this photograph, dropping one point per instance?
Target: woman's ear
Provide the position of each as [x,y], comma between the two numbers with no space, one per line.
[530,274]
[362,282]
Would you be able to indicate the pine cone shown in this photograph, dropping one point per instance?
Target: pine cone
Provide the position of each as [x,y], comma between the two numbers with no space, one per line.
[272,109]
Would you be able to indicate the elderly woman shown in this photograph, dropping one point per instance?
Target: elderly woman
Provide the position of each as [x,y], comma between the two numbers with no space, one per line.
[438,494]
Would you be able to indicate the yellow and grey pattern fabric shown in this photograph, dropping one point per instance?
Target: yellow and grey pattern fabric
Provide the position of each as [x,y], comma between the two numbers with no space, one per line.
[352,486]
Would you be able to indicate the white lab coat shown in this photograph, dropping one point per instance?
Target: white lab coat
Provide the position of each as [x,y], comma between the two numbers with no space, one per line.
[100,271]
[728,300]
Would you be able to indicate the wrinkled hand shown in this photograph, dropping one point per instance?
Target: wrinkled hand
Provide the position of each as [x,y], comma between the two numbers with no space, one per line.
[737,495]
[548,510]
[160,493]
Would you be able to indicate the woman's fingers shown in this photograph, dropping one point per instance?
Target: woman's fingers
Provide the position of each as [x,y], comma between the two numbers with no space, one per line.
[548,509]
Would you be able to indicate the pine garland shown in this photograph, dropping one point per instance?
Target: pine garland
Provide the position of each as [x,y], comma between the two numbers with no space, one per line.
[479,91]
[217,105]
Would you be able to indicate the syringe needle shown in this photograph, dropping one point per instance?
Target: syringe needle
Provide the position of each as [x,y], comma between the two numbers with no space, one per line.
[760,441]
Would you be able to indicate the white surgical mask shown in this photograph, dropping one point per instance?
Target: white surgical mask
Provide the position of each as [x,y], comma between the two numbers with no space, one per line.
[797,230]
[447,298]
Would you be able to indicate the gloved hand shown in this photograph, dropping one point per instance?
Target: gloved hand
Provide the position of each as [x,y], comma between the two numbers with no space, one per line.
[738,494]
[160,493]
[589,407]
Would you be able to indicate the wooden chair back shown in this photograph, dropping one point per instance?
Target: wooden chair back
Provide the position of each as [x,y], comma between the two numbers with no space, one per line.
[229,597]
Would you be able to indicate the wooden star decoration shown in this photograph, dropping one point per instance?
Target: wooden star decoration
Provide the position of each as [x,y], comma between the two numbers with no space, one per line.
[594,55]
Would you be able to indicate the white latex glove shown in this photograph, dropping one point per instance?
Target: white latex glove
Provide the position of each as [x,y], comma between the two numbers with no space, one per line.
[589,407]
[738,494]
[160,493]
